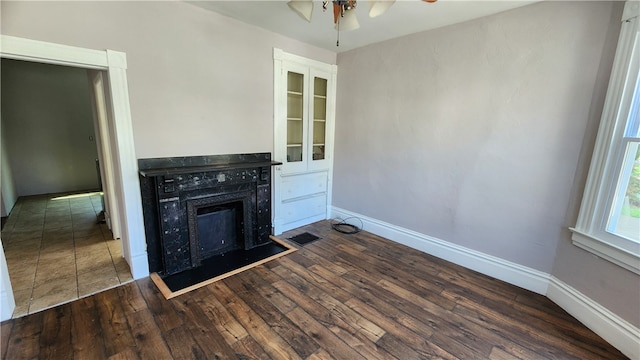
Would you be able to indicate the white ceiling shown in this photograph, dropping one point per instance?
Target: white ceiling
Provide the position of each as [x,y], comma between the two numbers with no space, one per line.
[403,18]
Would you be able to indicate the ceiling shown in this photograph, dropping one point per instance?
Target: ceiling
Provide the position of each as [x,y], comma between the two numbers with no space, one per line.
[403,18]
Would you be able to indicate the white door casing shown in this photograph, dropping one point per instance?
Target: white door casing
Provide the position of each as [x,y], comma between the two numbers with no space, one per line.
[125,169]
[105,154]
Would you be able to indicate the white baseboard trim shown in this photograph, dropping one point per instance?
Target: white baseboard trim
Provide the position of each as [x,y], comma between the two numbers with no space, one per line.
[7,301]
[617,331]
[513,273]
[139,265]
[7,305]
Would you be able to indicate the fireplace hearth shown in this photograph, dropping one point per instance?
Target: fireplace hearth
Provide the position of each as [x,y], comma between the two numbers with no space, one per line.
[201,208]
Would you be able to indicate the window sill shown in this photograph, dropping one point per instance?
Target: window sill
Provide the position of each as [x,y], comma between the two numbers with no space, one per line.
[605,250]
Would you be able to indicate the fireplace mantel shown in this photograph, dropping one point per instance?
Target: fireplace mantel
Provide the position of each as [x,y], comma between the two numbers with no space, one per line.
[205,168]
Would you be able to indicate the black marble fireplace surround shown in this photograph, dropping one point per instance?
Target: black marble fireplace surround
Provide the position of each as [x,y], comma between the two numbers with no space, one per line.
[199,207]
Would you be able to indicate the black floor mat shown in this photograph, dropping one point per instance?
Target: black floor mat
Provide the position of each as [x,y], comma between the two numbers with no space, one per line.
[304,238]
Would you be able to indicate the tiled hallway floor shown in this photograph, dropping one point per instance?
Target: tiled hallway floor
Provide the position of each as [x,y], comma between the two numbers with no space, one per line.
[57,252]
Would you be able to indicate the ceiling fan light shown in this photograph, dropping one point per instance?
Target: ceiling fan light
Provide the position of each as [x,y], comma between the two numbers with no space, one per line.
[348,21]
[304,8]
[379,7]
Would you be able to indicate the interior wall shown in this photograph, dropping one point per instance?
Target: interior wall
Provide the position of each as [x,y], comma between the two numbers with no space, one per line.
[8,194]
[199,83]
[48,128]
[472,133]
[603,281]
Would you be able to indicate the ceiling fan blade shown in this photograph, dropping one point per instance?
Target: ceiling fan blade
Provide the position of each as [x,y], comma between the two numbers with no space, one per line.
[379,7]
[304,8]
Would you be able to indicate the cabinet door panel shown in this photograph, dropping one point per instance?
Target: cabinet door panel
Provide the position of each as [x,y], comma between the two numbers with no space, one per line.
[301,209]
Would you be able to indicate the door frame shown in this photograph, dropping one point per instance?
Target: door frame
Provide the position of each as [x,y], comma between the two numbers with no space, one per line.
[282,62]
[101,116]
[125,165]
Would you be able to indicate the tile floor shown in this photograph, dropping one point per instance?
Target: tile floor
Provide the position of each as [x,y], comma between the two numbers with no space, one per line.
[57,252]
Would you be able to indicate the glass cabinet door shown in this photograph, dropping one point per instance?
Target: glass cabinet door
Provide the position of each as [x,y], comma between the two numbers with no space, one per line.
[295,117]
[306,124]
[319,127]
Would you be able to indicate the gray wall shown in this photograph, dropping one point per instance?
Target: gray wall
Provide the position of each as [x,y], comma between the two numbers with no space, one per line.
[8,194]
[48,128]
[199,83]
[473,134]
[601,280]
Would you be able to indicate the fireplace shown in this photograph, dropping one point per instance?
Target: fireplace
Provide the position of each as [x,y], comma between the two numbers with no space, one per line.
[201,207]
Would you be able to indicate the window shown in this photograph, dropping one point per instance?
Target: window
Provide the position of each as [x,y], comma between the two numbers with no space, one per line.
[609,220]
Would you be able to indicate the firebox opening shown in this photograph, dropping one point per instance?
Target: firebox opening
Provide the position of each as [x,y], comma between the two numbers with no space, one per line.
[219,229]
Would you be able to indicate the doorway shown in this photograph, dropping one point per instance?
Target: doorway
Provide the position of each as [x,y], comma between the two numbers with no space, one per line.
[56,247]
[126,190]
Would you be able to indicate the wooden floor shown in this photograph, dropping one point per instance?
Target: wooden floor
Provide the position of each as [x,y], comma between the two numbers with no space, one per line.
[342,297]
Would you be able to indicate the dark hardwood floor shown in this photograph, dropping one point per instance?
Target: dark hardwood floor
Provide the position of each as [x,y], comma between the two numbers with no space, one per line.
[342,297]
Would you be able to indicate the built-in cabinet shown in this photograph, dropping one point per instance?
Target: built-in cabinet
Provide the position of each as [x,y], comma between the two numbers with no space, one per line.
[304,112]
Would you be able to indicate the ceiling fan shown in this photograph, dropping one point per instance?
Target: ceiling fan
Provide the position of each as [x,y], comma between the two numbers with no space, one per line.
[344,16]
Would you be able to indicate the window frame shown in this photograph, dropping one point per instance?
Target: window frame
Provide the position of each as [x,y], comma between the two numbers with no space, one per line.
[590,230]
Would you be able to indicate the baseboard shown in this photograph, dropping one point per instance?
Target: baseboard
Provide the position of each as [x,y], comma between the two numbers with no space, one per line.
[504,270]
[139,265]
[6,306]
[615,330]
[7,301]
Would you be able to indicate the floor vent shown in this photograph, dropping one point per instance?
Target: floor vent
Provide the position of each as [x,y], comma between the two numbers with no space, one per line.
[304,238]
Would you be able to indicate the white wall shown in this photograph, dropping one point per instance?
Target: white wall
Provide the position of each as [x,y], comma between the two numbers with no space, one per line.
[48,128]
[8,193]
[199,83]
[473,133]
[7,199]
